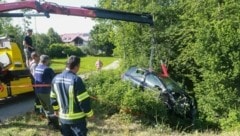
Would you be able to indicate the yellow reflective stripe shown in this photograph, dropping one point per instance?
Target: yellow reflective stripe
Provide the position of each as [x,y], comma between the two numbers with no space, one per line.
[38,106]
[56,107]
[89,114]
[71,99]
[72,116]
[53,95]
[82,96]
[55,88]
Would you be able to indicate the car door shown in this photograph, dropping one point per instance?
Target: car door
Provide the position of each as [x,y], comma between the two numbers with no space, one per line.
[138,77]
[135,75]
[152,81]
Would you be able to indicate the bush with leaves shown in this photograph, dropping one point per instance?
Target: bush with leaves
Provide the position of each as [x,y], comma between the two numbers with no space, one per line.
[108,89]
[111,95]
[63,50]
[231,122]
[145,104]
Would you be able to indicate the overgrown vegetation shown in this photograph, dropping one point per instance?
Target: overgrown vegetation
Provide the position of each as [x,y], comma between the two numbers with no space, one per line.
[200,42]
[113,96]
[116,96]
[120,110]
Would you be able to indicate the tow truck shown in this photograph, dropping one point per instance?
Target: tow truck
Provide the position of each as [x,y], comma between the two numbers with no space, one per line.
[15,77]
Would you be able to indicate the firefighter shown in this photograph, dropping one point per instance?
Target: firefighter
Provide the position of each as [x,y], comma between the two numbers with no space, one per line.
[43,75]
[70,96]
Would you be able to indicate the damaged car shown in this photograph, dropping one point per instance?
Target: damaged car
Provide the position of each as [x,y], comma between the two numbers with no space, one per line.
[175,98]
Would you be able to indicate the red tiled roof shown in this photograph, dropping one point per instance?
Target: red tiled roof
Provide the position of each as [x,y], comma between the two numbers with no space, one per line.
[69,37]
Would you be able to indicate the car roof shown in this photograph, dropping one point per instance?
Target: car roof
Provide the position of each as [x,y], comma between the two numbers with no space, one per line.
[135,68]
[163,79]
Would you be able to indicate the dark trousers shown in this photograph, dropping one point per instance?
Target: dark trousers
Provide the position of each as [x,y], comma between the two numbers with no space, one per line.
[48,109]
[37,106]
[45,102]
[78,129]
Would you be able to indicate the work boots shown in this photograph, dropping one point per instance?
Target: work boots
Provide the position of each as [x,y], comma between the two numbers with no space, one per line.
[53,122]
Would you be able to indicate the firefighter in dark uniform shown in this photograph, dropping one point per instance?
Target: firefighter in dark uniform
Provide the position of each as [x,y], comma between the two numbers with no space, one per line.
[70,96]
[43,75]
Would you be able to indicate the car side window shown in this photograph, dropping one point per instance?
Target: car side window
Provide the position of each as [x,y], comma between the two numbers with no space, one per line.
[153,81]
[138,75]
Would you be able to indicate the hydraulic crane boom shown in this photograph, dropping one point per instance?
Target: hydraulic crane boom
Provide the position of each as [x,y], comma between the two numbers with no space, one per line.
[16,79]
[91,12]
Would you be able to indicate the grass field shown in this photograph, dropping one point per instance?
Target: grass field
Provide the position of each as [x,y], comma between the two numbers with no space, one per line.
[87,63]
[116,125]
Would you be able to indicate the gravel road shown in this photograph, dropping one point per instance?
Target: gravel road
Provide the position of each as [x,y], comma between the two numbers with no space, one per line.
[16,106]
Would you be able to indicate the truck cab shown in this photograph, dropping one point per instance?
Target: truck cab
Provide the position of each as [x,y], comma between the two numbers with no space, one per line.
[15,77]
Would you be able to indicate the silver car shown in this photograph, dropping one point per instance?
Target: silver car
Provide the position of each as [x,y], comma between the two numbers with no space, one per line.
[175,98]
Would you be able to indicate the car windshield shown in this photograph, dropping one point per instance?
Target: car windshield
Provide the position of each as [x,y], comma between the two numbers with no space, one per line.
[171,84]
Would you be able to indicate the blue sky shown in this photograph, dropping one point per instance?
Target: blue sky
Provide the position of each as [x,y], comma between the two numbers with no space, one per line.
[61,23]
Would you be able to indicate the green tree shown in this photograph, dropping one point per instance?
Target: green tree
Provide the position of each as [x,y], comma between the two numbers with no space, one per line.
[7,29]
[200,40]
[130,39]
[216,55]
[41,43]
[53,36]
[100,39]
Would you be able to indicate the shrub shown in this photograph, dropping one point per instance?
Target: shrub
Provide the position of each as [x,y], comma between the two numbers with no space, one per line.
[88,50]
[145,104]
[108,89]
[63,50]
[113,95]
[231,122]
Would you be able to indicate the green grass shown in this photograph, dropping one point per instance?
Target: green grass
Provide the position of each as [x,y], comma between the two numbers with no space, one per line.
[31,124]
[87,63]
[27,125]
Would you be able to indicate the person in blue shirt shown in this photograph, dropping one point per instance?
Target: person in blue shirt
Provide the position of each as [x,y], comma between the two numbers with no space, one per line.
[43,76]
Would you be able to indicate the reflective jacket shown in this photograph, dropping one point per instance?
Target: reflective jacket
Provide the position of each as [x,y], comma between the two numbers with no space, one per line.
[69,95]
[43,75]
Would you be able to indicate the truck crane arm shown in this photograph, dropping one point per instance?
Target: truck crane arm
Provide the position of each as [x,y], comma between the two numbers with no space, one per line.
[16,79]
[92,12]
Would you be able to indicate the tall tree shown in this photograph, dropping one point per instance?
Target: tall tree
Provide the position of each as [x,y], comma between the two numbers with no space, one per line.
[53,36]
[100,39]
[41,43]
[130,39]
[211,50]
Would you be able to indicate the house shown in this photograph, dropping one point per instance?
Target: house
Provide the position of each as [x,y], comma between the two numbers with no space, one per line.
[78,39]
